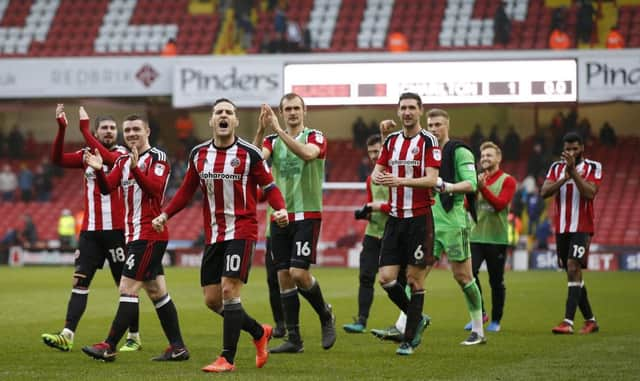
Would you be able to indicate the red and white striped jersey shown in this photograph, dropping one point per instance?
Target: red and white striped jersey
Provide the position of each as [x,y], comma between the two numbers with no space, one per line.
[101,211]
[229,178]
[574,213]
[143,192]
[410,158]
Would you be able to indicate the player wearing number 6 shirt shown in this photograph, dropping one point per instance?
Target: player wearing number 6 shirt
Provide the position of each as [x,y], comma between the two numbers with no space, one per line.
[574,182]
[142,176]
[101,236]
[228,170]
[408,165]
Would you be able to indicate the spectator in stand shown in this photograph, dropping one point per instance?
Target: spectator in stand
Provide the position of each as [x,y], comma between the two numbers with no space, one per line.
[294,37]
[397,42]
[364,169]
[584,25]
[519,198]
[608,135]
[512,145]
[306,39]
[584,129]
[615,39]
[543,232]
[25,183]
[3,142]
[476,138]
[29,235]
[15,143]
[559,39]
[558,18]
[279,21]
[537,163]
[184,130]
[494,136]
[66,229]
[42,184]
[535,207]
[501,26]
[30,144]
[8,183]
[360,129]
[170,48]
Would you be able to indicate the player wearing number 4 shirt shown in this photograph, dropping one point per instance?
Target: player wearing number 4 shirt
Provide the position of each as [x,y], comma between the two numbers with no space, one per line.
[101,236]
[408,165]
[574,182]
[228,170]
[142,176]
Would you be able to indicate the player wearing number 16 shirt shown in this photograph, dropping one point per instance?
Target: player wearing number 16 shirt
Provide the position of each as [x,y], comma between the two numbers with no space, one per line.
[574,182]
[142,176]
[101,236]
[229,171]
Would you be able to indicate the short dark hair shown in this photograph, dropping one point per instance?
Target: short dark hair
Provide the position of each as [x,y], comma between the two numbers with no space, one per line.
[290,96]
[409,95]
[573,137]
[101,119]
[132,117]
[374,139]
[224,100]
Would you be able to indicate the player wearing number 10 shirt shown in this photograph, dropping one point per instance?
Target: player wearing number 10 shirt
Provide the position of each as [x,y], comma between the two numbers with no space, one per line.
[101,236]
[574,182]
[228,171]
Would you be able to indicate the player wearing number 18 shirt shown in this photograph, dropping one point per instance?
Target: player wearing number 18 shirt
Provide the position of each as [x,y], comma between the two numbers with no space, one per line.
[574,182]
[142,176]
[409,166]
[101,236]
[228,170]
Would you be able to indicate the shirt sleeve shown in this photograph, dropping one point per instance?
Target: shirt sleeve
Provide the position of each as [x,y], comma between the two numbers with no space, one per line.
[595,175]
[433,157]
[66,160]
[552,173]
[108,183]
[318,139]
[369,194]
[466,167]
[154,180]
[503,199]
[384,156]
[185,192]
[268,143]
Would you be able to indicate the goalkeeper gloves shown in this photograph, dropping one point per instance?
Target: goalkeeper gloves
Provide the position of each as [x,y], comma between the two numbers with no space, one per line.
[363,213]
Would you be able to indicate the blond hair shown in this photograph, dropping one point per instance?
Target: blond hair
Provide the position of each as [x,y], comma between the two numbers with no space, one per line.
[490,144]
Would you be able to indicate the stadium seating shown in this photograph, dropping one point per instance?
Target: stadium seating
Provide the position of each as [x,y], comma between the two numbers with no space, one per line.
[42,28]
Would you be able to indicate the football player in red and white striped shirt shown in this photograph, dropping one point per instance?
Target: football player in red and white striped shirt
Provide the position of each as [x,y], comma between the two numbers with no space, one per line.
[142,176]
[229,171]
[574,182]
[101,236]
[409,165]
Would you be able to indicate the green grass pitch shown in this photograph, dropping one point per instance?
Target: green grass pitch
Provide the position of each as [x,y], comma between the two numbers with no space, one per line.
[33,301]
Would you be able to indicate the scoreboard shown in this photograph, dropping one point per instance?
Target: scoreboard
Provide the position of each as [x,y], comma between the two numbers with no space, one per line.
[454,82]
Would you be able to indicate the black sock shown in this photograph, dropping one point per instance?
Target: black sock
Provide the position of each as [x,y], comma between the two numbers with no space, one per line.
[291,308]
[414,314]
[365,299]
[168,316]
[233,319]
[134,325]
[314,296]
[585,306]
[251,326]
[573,298]
[75,308]
[397,295]
[126,310]
[276,306]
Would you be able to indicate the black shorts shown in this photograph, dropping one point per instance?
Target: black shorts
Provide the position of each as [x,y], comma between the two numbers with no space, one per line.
[144,259]
[573,246]
[295,245]
[408,241]
[96,246]
[229,259]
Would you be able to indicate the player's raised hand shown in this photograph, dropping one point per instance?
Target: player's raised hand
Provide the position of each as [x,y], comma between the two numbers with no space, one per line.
[60,113]
[159,222]
[386,127]
[281,217]
[82,113]
[271,119]
[569,160]
[93,160]
[134,157]
[263,121]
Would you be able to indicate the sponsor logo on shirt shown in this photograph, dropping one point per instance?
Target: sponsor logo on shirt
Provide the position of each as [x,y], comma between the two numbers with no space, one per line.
[413,163]
[220,176]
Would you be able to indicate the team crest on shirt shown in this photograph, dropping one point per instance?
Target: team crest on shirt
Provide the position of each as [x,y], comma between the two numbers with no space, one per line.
[235,162]
[415,150]
[142,166]
[158,169]
[437,154]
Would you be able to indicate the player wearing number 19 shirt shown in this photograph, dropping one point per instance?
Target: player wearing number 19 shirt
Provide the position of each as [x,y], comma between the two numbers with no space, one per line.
[409,165]
[229,171]
[142,176]
[101,236]
[574,182]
